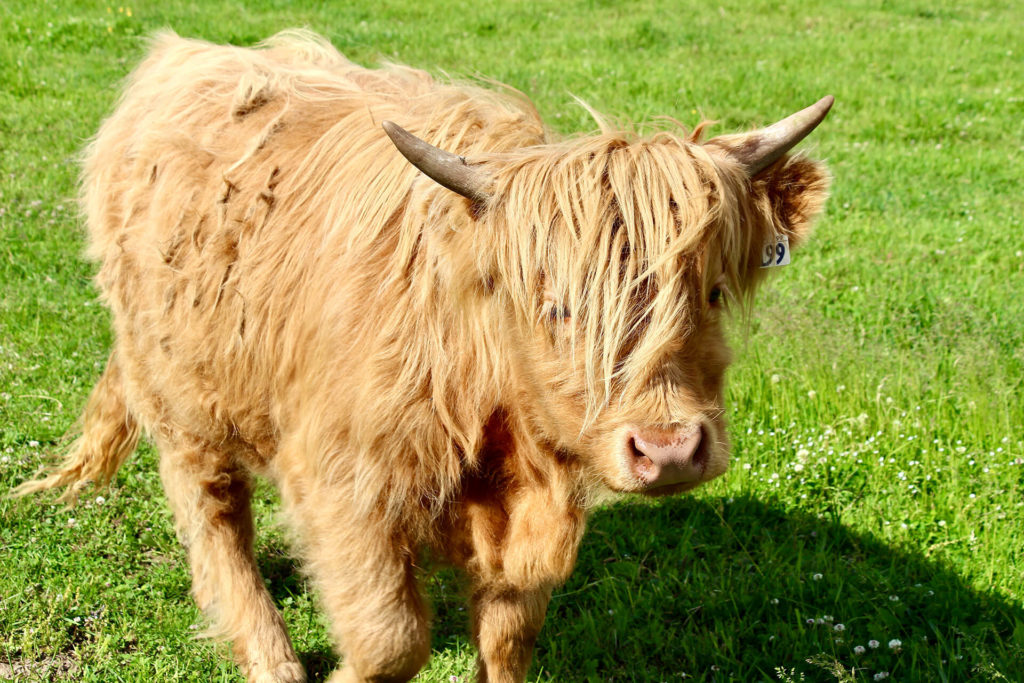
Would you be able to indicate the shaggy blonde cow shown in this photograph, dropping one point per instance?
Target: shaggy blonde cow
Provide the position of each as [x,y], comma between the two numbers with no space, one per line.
[425,352]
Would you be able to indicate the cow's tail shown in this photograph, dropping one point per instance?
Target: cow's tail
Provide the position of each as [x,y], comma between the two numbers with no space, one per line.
[109,434]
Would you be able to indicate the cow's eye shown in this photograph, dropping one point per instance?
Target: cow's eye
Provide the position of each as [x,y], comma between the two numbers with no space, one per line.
[715,297]
[558,313]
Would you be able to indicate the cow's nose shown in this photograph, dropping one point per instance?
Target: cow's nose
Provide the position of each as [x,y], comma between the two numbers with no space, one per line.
[661,457]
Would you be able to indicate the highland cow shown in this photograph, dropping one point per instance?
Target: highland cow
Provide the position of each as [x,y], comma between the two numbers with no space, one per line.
[451,339]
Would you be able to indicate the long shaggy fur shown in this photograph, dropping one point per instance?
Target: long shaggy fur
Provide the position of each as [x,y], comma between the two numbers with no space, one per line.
[415,370]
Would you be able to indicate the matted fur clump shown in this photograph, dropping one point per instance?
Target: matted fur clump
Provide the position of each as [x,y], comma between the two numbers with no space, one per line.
[417,369]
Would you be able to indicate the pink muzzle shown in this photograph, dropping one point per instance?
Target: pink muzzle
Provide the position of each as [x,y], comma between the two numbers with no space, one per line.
[662,457]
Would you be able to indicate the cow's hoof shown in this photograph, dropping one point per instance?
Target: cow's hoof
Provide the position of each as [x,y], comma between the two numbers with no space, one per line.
[289,672]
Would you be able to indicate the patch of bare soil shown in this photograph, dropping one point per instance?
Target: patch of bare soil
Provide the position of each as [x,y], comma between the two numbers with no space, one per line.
[61,667]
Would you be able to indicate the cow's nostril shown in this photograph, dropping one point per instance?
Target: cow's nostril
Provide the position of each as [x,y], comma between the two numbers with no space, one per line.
[702,453]
[641,461]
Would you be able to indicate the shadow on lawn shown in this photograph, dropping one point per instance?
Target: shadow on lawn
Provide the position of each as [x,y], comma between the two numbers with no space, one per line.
[723,589]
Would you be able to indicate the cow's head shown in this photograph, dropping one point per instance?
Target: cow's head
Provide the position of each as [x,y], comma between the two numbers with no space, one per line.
[614,260]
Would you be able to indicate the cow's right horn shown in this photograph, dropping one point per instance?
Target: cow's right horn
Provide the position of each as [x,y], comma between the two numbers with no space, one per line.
[447,169]
[759,149]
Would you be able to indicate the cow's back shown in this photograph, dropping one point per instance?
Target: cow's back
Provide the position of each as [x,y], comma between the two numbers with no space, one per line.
[225,195]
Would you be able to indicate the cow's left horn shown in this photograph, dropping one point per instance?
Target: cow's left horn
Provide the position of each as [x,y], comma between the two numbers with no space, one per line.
[759,149]
[449,170]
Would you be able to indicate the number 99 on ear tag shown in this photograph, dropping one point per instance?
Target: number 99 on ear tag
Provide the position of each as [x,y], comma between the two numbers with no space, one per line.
[775,252]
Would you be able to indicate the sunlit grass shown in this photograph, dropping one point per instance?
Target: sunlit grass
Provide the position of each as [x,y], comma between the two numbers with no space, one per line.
[875,407]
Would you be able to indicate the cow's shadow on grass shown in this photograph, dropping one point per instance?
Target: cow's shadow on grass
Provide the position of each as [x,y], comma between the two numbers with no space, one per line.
[731,589]
[721,589]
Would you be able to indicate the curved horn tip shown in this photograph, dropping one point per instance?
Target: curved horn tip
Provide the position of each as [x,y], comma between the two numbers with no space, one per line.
[806,120]
[446,169]
[402,139]
[760,149]
[823,106]
[392,128]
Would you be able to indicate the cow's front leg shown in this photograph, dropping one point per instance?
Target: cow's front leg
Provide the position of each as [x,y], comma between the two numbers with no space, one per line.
[364,571]
[506,622]
[537,533]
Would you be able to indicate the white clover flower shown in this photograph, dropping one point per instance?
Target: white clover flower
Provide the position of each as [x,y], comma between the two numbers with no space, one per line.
[895,644]
[810,622]
[839,627]
[817,577]
[859,650]
[894,598]
[881,675]
[100,500]
[776,379]
[72,521]
[812,394]
[873,644]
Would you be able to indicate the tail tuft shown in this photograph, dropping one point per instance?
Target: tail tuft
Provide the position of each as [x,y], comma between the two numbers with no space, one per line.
[109,435]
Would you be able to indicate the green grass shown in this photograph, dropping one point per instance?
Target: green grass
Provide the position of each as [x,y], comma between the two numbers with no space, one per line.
[875,404]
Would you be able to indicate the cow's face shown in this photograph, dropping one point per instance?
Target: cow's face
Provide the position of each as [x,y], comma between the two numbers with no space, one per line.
[620,275]
[657,425]
[612,264]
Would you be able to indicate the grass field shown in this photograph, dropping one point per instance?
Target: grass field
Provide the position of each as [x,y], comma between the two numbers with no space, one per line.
[872,524]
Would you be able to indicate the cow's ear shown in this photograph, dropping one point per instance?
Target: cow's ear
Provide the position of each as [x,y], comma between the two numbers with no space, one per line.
[791,194]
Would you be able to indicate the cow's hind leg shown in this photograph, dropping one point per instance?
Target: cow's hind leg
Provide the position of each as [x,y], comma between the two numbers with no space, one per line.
[210,495]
